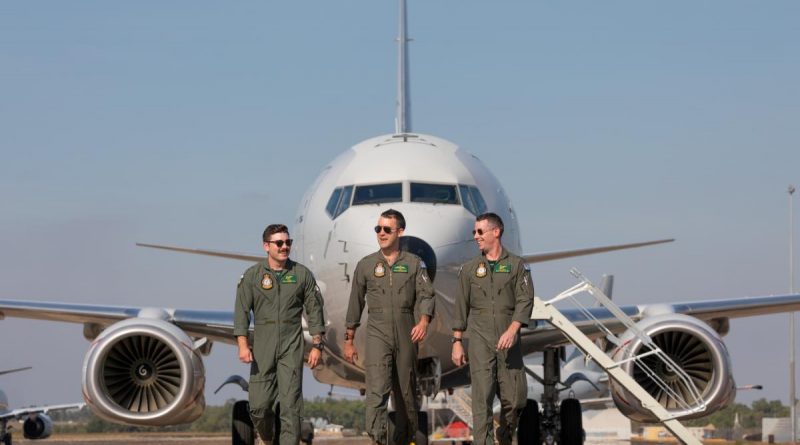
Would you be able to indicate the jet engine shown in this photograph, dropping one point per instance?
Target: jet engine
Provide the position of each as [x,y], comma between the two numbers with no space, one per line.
[144,371]
[694,347]
[37,426]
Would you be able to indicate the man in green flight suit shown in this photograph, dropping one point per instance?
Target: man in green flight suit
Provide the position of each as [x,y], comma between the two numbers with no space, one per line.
[276,291]
[495,301]
[394,285]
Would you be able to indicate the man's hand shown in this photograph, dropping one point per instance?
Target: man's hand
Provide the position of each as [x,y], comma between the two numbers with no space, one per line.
[457,355]
[419,331]
[350,353]
[245,354]
[314,357]
[509,337]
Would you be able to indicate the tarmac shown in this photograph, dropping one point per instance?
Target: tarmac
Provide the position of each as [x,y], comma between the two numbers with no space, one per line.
[166,439]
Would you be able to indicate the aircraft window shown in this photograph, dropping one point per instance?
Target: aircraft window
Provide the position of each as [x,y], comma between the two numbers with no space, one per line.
[378,193]
[344,203]
[472,200]
[478,198]
[339,201]
[435,193]
[333,202]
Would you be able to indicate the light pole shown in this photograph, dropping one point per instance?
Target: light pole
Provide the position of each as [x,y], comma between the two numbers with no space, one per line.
[792,393]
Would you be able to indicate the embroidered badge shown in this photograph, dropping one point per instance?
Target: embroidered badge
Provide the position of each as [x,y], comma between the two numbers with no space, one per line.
[266,282]
[240,281]
[288,279]
[502,268]
[380,270]
[400,268]
[422,265]
[481,271]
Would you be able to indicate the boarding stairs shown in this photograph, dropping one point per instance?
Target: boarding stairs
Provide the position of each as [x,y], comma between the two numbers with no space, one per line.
[546,311]
[460,403]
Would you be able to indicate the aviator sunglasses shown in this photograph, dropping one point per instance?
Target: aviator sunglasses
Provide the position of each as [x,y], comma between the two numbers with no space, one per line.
[480,231]
[386,229]
[281,242]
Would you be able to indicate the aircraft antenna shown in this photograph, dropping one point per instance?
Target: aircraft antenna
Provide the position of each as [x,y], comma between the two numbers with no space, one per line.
[402,122]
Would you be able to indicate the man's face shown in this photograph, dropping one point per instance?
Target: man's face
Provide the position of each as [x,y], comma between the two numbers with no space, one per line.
[277,246]
[486,235]
[386,240]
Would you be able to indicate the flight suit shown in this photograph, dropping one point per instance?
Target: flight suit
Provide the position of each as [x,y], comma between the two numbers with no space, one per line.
[491,297]
[277,299]
[392,294]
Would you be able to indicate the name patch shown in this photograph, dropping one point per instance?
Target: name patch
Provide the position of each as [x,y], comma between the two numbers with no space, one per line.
[502,268]
[289,279]
[400,268]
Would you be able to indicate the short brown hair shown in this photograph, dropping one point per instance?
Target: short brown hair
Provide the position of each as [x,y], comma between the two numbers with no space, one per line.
[273,229]
[397,216]
[493,219]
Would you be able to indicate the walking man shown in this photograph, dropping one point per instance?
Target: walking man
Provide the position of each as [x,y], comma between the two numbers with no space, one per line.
[495,301]
[276,291]
[393,285]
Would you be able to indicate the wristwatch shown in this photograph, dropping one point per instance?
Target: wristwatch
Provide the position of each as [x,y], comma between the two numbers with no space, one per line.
[319,345]
[454,340]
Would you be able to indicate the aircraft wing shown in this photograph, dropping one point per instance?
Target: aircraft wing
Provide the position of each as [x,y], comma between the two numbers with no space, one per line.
[561,254]
[539,335]
[216,325]
[24,412]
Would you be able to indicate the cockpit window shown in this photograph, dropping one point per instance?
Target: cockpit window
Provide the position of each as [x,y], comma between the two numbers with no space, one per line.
[472,199]
[339,201]
[434,193]
[378,193]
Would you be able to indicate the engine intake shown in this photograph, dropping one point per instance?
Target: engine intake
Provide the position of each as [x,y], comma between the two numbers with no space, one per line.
[144,372]
[694,347]
[39,426]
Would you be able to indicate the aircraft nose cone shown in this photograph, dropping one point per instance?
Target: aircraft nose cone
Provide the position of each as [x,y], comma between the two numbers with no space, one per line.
[420,248]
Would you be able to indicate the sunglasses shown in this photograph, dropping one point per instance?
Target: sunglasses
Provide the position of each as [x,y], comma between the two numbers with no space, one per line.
[386,229]
[281,242]
[480,231]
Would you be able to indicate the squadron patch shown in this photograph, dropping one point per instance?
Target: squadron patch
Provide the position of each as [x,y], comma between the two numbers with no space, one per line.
[380,270]
[481,271]
[422,265]
[400,268]
[266,282]
[240,281]
[289,279]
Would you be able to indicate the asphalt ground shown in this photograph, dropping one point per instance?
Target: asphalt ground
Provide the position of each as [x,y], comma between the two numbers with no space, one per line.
[165,439]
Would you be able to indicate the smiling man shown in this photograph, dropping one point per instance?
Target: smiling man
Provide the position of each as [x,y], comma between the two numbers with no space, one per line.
[276,291]
[393,285]
[495,301]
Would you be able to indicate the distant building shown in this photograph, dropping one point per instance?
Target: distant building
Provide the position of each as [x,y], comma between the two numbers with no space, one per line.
[658,432]
[605,426]
[778,427]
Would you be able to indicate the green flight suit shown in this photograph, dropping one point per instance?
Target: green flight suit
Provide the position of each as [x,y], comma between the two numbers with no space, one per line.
[277,299]
[491,298]
[392,294]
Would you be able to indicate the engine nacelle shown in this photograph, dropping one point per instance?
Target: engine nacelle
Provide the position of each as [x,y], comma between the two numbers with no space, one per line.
[144,371]
[692,345]
[37,426]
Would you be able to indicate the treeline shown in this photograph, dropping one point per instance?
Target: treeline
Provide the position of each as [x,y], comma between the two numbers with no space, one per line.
[749,416]
[348,413]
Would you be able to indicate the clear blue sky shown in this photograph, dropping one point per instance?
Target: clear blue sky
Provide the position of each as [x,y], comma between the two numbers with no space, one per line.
[197,123]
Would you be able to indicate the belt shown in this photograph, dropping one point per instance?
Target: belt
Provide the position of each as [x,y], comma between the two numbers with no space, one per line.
[489,312]
[380,310]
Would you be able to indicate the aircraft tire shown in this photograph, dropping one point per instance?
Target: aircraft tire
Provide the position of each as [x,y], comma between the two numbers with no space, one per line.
[529,430]
[421,437]
[571,422]
[242,432]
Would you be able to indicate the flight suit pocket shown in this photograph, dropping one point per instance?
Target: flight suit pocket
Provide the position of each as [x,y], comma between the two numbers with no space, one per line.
[260,393]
